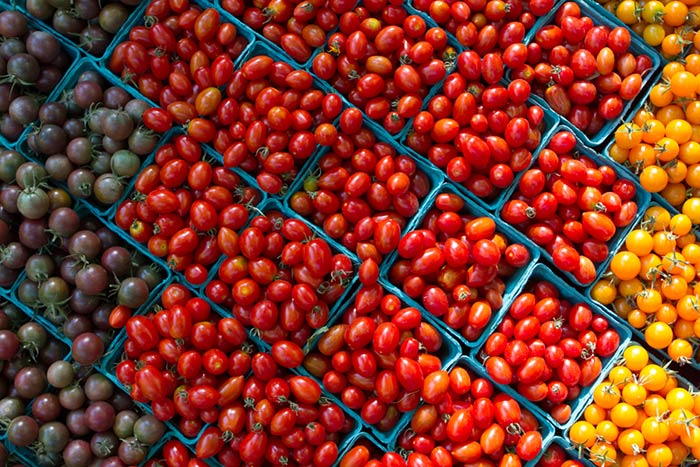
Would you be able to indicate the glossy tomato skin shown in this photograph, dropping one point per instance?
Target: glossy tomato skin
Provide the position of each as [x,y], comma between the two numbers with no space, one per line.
[175,453]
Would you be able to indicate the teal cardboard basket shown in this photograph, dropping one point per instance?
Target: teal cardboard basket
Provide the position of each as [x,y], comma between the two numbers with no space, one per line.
[134,13]
[434,176]
[67,46]
[275,205]
[513,236]
[573,296]
[450,352]
[550,123]
[638,334]
[545,428]
[138,19]
[601,16]
[131,193]
[377,125]
[565,441]
[87,65]
[642,198]
[115,354]
[258,49]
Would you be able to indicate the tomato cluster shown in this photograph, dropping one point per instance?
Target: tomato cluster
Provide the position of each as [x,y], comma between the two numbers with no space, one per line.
[481,133]
[184,360]
[272,120]
[584,71]
[186,51]
[265,116]
[279,418]
[466,420]
[571,206]
[548,347]
[661,146]
[363,193]
[280,280]
[298,26]
[384,57]
[669,26]
[641,414]
[486,25]
[653,284]
[456,265]
[378,357]
[191,365]
[184,207]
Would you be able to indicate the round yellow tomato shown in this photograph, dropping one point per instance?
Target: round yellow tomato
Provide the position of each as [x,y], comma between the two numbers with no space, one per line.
[627,11]
[673,288]
[604,292]
[606,395]
[653,178]
[625,265]
[654,429]
[628,135]
[680,224]
[640,242]
[618,154]
[656,406]
[637,319]
[676,171]
[649,300]
[657,218]
[683,84]
[582,433]
[653,12]
[642,155]
[688,307]
[634,393]
[678,129]
[607,430]
[631,442]
[630,288]
[680,350]
[619,376]
[666,313]
[675,13]
[692,178]
[667,149]
[653,377]
[658,335]
[664,243]
[691,208]
[653,34]
[689,153]
[595,414]
[603,454]
[674,193]
[636,357]
[659,455]
[653,130]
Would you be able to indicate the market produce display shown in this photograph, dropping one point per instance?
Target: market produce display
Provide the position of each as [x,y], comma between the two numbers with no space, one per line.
[349,233]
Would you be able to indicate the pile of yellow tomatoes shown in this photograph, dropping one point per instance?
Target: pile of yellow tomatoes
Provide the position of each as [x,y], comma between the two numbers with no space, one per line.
[670,26]
[661,143]
[640,416]
[652,280]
